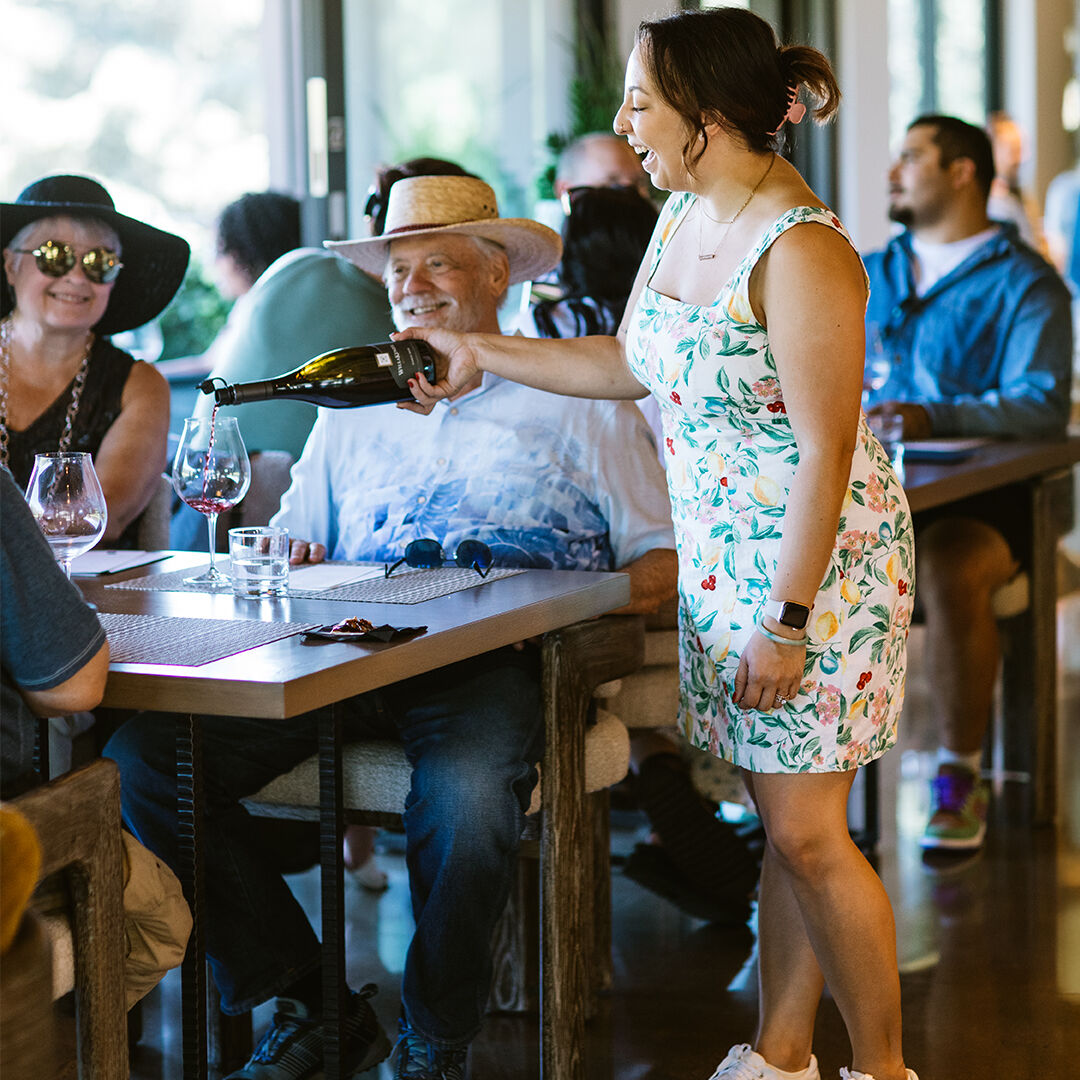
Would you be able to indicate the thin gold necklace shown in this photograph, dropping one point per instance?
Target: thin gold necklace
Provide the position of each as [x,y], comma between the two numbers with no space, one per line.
[704,256]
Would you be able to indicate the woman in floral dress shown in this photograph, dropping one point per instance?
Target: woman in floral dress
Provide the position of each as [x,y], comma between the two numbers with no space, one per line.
[794,536]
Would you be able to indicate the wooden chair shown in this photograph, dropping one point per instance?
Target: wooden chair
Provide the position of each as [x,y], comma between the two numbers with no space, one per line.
[271,474]
[154,521]
[77,820]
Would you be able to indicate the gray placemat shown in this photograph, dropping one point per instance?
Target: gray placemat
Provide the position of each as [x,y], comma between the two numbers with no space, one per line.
[163,639]
[403,587]
[172,581]
[408,587]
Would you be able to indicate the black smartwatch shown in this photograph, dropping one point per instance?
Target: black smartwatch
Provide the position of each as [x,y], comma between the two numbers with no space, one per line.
[787,613]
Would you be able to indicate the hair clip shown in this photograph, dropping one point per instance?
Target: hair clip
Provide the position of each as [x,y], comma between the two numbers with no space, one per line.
[796,110]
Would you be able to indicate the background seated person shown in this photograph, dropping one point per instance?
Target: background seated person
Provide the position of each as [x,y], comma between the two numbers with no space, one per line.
[54,659]
[74,272]
[600,159]
[303,304]
[976,328]
[558,484]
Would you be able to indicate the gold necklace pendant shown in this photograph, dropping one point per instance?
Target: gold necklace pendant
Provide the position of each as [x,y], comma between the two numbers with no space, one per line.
[704,256]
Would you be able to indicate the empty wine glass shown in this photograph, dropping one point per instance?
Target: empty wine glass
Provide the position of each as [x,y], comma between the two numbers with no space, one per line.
[211,473]
[65,497]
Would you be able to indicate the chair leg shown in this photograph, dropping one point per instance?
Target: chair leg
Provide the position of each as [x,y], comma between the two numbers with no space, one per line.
[515,944]
[228,1038]
[601,974]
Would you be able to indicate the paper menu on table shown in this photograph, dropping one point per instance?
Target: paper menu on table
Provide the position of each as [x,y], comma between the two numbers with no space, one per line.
[944,450]
[315,577]
[112,561]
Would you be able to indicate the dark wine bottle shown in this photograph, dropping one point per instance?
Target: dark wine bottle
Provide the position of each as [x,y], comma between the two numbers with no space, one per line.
[340,379]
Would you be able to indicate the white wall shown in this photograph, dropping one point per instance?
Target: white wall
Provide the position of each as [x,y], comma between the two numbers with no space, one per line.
[863,125]
[631,12]
[1037,67]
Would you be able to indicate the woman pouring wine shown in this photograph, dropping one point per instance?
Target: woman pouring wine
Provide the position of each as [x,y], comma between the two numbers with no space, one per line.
[794,537]
[74,272]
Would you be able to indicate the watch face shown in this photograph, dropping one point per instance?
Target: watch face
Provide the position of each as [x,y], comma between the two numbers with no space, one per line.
[793,615]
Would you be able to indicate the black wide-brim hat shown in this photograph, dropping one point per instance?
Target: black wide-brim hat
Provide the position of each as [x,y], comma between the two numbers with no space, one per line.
[154,261]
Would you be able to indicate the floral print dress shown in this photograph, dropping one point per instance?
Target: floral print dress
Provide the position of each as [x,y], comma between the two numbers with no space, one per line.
[731,458]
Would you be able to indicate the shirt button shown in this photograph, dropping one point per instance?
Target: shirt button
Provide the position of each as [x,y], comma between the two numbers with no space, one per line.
[421,498]
[441,461]
[453,412]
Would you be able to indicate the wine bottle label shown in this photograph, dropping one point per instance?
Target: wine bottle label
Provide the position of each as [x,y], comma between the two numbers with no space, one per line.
[384,359]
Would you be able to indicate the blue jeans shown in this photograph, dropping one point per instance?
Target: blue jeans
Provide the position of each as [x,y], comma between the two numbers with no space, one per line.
[473,733]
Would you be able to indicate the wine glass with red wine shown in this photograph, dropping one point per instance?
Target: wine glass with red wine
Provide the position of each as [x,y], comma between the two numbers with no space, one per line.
[211,473]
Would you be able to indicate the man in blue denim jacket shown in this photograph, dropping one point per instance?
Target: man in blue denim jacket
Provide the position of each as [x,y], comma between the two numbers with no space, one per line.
[968,333]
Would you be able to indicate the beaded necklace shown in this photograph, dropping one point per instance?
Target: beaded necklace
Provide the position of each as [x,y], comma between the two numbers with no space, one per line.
[76,393]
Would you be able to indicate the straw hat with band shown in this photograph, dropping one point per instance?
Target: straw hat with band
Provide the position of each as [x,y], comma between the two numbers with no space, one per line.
[425,205]
[154,261]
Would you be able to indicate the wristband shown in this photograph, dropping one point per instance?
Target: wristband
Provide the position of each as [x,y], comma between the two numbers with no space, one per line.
[777,638]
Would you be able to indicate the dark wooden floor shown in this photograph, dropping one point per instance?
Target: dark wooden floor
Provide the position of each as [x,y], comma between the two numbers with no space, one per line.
[990,957]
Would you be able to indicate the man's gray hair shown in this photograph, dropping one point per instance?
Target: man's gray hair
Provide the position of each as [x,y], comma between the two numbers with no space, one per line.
[491,251]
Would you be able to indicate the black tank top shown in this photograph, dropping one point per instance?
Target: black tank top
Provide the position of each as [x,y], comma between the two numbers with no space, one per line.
[98,409]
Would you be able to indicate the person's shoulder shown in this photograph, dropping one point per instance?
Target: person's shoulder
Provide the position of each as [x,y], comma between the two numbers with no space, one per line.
[1021,262]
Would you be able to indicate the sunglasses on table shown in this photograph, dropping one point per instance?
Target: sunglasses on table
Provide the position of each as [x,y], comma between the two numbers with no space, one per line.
[55,258]
[428,554]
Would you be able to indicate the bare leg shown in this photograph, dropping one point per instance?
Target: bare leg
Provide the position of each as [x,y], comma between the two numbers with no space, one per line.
[843,917]
[960,563]
[789,977]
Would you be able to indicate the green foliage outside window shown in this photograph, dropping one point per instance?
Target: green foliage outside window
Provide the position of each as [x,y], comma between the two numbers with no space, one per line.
[594,96]
[197,312]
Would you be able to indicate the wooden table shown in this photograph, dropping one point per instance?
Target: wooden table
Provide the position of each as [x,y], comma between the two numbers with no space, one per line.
[1040,475]
[286,677]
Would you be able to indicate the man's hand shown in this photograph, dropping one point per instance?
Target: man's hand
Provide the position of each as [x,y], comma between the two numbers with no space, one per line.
[916,418]
[304,551]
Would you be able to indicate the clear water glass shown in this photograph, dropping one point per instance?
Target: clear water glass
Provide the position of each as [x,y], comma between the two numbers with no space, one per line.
[259,561]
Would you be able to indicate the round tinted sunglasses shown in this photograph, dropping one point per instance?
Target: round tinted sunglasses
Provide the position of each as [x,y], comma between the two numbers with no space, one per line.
[56,259]
[428,554]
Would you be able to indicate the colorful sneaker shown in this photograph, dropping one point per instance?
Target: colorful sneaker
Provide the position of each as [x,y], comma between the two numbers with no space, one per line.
[291,1048]
[958,806]
[742,1063]
[417,1059]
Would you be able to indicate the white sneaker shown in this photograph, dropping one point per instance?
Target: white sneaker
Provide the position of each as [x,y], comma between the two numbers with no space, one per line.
[742,1063]
[854,1074]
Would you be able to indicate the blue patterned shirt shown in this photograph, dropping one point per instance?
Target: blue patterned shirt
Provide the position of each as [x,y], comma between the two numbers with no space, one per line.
[545,481]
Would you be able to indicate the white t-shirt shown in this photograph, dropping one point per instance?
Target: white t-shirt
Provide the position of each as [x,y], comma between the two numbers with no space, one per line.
[934,261]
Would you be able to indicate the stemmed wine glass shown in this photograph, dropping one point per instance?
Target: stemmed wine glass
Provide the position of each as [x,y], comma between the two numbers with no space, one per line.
[65,498]
[211,473]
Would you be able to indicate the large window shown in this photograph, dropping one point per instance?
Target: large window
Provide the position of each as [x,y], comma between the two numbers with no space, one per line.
[161,102]
[941,60]
[480,82]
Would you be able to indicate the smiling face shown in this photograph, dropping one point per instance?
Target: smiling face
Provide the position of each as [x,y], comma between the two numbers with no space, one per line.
[653,128]
[69,303]
[445,280]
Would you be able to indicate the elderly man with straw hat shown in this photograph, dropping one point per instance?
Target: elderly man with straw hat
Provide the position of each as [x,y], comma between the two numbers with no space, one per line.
[501,475]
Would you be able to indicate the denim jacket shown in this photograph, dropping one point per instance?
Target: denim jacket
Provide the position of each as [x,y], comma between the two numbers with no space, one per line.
[987,350]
